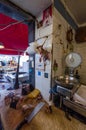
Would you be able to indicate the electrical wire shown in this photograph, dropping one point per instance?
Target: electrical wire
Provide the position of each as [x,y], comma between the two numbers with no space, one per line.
[5,24]
[11,24]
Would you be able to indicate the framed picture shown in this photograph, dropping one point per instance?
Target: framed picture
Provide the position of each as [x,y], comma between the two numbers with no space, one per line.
[47,16]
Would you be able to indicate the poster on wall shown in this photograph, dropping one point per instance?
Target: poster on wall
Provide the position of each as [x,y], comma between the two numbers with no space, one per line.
[40,66]
[47,16]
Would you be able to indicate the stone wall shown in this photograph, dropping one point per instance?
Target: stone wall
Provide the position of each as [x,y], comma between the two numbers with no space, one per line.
[60,50]
[81,49]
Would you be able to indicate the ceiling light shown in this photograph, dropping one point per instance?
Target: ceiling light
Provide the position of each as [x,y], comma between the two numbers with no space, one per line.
[1,45]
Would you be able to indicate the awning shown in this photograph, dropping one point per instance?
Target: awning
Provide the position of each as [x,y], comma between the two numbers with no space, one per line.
[13,34]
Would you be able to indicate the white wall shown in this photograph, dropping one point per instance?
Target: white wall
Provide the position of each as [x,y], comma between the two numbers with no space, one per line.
[41,82]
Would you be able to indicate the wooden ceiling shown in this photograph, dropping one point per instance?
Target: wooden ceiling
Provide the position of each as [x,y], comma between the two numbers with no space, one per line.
[77,10]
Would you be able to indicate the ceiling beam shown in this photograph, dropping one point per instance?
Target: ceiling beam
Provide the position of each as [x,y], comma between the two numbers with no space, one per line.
[60,7]
[15,12]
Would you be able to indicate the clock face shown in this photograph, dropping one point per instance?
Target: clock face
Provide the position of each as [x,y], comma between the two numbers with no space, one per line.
[73,60]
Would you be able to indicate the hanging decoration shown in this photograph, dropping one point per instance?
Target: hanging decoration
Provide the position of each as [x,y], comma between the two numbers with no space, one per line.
[45,55]
[55,67]
[42,46]
[69,35]
[32,48]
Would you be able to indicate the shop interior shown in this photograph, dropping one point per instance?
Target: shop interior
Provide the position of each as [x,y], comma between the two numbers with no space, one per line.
[42,65]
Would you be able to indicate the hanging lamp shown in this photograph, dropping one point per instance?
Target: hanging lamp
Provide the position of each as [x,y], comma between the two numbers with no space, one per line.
[1,45]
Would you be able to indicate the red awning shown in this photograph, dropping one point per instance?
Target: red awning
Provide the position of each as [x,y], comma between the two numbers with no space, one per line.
[13,37]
